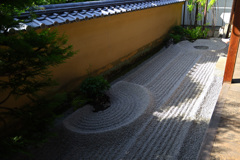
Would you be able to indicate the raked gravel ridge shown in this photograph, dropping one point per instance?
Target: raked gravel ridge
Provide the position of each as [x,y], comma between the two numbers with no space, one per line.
[160,110]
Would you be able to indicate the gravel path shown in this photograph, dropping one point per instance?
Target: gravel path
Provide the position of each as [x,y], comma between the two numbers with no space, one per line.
[160,110]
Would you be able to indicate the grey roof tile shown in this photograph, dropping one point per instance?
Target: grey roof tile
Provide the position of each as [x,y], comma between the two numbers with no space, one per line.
[90,15]
[99,11]
[109,10]
[73,12]
[77,17]
[40,23]
[47,22]
[115,9]
[55,18]
[83,15]
[66,17]
[122,9]
[55,23]
[62,19]
[95,13]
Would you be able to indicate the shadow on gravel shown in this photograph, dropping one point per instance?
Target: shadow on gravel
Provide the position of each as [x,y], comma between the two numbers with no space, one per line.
[164,145]
[65,147]
[189,90]
[178,130]
[181,139]
[219,53]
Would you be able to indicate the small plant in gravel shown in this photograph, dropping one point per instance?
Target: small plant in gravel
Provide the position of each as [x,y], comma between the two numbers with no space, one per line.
[179,33]
[195,33]
[94,88]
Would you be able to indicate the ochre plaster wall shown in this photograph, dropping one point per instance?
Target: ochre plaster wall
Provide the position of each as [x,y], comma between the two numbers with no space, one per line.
[104,40]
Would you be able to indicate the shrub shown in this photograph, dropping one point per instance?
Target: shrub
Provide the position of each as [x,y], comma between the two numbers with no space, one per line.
[94,89]
[179,33]
[31,126]
[179,30]
[176,38]
[195,33]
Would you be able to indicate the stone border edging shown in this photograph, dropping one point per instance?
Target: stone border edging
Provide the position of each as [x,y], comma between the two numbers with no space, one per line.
[206,146]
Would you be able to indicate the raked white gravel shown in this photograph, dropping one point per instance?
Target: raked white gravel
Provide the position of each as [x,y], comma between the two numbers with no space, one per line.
[160,110]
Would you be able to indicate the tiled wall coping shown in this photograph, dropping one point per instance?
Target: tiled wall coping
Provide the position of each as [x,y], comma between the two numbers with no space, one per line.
[56,14]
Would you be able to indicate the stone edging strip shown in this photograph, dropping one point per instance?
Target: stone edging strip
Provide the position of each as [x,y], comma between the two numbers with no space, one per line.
[206,146]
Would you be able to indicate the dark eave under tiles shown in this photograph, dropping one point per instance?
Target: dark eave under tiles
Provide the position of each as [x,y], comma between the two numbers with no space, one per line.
[56,14]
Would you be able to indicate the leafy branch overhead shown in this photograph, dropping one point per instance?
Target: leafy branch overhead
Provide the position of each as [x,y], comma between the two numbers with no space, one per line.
[25,59]
[201,8]
[192,3]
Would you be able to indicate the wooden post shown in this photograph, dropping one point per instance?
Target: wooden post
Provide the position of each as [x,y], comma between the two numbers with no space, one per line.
[233,45]
[231,18]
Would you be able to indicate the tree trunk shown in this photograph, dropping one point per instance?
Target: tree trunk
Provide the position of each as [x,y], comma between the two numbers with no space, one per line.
[231,18]
[205,14]
[196,15]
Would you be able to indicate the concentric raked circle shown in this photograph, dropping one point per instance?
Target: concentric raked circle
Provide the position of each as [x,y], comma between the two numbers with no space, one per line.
[128,102]
[210,44]
[204,44]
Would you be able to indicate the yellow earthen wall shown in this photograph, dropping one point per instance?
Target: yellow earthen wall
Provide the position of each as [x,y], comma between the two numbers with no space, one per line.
[102,41]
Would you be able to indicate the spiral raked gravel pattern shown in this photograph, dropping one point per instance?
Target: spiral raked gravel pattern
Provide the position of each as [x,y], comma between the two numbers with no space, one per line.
[160,109]
[128,102]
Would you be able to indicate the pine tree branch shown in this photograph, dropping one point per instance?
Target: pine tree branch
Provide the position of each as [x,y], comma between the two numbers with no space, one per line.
[6,108]
[4,100]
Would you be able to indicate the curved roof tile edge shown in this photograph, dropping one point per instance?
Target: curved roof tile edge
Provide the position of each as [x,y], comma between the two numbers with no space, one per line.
[56,14]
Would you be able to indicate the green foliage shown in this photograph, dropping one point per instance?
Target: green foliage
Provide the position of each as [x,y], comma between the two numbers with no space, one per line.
[196,33]
[199,16]
[179,30]
[176,38]
[35,121]
[45,2]
[211,3]
[25,59]
[94,87]
[10,9]
[179,33]
[192,4]
[79,101]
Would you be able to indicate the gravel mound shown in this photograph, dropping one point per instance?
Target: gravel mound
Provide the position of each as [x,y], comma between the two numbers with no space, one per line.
[128,102]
